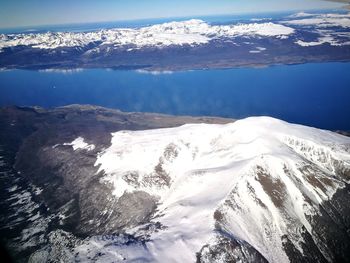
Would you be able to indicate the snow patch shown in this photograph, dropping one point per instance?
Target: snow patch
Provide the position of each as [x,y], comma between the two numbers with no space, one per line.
[79,143]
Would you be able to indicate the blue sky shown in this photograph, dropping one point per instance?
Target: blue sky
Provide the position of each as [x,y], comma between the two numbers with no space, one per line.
[44,12]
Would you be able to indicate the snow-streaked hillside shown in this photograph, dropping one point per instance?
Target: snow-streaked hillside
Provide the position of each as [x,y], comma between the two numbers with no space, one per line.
[190,32]
[253,190]
[259,181]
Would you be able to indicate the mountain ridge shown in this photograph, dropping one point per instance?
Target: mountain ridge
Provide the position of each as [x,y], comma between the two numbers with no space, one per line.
[255,190]
[185,45]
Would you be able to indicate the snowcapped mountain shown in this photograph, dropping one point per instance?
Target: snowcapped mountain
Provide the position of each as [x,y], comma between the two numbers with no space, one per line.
[188,44]
[260,181]
[190,32]
[253,190]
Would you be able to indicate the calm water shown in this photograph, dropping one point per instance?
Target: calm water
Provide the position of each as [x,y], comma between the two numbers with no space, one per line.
[312,94]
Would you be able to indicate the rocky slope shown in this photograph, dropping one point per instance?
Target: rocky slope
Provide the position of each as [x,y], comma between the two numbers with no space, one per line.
[92,184]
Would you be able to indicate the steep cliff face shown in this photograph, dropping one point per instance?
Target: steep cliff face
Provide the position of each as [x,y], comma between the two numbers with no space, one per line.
[120,187]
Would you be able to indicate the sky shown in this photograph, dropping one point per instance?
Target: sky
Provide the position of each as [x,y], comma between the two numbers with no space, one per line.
[17,13]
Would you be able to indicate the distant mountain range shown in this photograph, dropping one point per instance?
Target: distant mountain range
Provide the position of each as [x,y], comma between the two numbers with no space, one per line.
[89,184]
[192,44]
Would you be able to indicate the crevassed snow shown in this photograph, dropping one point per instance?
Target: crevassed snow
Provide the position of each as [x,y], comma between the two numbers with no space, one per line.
[79,143]
[228,168]
[190,32]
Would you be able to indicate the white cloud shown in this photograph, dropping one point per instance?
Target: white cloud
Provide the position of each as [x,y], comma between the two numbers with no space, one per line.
[324,20]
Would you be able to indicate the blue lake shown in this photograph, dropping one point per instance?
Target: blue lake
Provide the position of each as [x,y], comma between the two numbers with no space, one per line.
[313,94]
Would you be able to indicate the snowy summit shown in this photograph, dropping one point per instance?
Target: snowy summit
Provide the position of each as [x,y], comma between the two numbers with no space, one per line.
[259,180]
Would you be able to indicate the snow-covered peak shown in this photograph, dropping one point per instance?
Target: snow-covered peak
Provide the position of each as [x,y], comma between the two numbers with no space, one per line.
[190,32]
[257,179]
[176,151]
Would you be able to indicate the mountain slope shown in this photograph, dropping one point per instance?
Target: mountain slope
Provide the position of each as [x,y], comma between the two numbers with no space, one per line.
[119,187]
[259,181]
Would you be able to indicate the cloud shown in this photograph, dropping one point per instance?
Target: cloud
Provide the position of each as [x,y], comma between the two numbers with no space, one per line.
[347,2]
[323,20]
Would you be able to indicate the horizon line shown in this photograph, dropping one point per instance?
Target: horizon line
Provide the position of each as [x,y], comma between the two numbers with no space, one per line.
[167,17]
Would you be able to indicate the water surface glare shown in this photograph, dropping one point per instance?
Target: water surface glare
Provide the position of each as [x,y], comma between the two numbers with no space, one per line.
[313,94]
